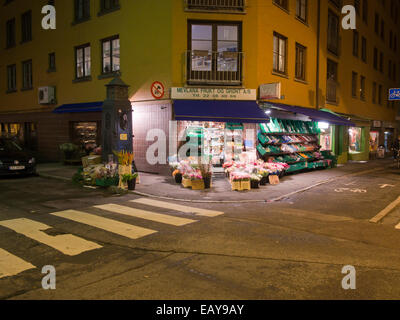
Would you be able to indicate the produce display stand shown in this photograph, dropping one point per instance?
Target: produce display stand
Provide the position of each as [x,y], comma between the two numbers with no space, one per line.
[292,142]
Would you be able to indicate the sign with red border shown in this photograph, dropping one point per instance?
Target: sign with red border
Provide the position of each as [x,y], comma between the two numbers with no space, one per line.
[157,90]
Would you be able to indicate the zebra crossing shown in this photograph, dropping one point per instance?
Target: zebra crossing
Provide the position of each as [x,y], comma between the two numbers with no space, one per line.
[70,245]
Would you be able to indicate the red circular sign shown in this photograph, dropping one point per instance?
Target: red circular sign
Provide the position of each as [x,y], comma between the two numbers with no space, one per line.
[157,90]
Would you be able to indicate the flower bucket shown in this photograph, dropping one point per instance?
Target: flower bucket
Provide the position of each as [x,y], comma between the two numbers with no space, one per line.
[245,185]
[121,171]
[198,184]
[132,184]
[236,185]
[187,183]
[178,178]
[207,183]
[255,184]
[263,181]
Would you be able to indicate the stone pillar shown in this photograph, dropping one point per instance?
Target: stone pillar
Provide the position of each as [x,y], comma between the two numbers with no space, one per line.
[116,119]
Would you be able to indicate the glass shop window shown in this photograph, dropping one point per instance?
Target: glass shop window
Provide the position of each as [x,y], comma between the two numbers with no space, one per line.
[355,135]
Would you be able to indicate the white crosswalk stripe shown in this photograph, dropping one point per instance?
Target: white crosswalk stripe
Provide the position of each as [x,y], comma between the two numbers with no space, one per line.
[116,227]
[11,265]
[177,207]
[67,244]
[148,215]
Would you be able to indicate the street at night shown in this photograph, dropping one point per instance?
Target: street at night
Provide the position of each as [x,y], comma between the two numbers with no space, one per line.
[290,249]
[199,159]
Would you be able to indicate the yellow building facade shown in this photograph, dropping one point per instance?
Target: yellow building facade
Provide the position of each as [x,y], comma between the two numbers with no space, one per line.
[156,43]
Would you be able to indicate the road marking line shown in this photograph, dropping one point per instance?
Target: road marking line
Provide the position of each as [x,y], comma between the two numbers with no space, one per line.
[385,211]
[120,228]
[177,207]
[11,265]
[67,244]
[148,215]
[397,227]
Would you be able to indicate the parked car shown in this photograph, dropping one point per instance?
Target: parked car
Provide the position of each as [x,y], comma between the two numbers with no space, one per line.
[14,159]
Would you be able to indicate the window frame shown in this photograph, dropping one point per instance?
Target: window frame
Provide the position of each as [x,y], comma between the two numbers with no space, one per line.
[76,49]
[12,80]
[102,41]
[26,26]
[29,84]
[299,5]
[300,48]
[285,39]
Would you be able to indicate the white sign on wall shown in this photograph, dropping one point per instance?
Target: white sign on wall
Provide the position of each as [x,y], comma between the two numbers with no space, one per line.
[213,94]
[270,91]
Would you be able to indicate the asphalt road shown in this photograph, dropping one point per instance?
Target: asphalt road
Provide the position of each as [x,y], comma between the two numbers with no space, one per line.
[291,249]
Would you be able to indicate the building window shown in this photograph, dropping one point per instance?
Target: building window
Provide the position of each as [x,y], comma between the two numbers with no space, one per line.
[82,10]
[282,3]
[354,79]
[381,62]
[109,5]
[395,44]
[355,43]
[374,92]
[364,49]
[390,69]
[300,62]
[362,88]
[86,135]
[12,78]
[383,30]
[26,26]
[380,95]
[83,61]
[394,72]
[333,33]
[332,76]
[279,53]
[214,54]
[377,23]
[110,55]
[301,10]
[365,11]
[27,75]
[10,33]
[391,39]
[375,58]
[52,62]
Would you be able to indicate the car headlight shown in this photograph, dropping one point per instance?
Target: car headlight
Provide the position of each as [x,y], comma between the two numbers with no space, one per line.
[32,161]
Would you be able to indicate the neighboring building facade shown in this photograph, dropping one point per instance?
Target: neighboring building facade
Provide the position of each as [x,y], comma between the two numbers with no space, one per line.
[196,44]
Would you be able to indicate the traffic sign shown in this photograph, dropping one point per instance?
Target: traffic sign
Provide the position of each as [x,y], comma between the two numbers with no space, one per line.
[394,94]
[157,90]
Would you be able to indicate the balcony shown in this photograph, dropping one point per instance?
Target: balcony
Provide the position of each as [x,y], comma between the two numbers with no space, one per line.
[228,6]
[214,68]
[332,91]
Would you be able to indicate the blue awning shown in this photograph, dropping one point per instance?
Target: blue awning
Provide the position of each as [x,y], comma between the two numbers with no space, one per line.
[80,107]
[315,115]
[219,111]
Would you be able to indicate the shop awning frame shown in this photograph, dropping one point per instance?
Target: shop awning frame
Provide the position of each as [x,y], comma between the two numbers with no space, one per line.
[219,111]
[313,114]
[80,107]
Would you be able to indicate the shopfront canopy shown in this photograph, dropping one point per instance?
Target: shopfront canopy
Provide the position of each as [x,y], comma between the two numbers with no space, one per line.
[80,107]
[313,114]
[219,111]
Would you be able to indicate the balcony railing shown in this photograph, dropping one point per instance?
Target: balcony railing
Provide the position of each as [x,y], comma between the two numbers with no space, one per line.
[214,68]
[332,91]
[216,5]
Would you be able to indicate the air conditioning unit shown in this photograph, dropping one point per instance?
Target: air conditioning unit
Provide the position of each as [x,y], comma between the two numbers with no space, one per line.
[47,95]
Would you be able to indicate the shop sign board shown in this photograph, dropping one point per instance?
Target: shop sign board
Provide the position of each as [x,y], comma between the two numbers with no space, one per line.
[213,94]
[394,94]
[270,91]
[157,90]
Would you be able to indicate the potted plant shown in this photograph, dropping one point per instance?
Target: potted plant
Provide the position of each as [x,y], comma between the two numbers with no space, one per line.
[177,175]
[70,150]
[129,179]
[255,181]
[206,174]
[264,177]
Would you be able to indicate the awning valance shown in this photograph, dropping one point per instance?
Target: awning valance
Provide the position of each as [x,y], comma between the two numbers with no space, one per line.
[219,111]
[313,114]
[80,107]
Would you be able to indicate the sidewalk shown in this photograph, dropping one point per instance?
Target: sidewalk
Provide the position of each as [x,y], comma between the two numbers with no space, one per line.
[164,187]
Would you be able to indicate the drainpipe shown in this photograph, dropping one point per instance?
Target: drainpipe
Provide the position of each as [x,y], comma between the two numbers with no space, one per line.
[318,55]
